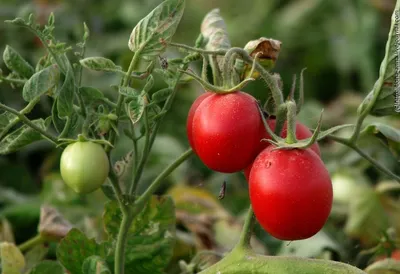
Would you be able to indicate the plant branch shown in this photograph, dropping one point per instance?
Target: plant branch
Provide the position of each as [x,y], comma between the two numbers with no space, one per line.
[160,179]
[182,46]
[24,111]
[32,242]
[126,222]
[12,80]
[132,66]
[377,165]
[29,123]
[144,156]
[245,236]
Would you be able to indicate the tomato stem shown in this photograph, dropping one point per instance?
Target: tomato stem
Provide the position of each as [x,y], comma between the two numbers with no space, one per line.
[280,119]
[352,145]
[291,122]
[32,242]
[139,204]
[126,222]
[29,123]
[247,231]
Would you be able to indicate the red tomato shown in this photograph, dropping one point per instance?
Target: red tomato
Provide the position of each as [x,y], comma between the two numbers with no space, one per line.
[225,131]
[192,110]
[290,192]
[302,132]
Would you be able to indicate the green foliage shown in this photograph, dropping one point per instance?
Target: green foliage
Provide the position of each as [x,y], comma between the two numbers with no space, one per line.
[75,248]
[42,82]
[47,267]
[16,63]
[100,64]
[153,33]
[23,136]
[150,237]
[95,265]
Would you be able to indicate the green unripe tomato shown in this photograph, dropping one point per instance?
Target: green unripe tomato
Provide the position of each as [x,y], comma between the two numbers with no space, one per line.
[84,166]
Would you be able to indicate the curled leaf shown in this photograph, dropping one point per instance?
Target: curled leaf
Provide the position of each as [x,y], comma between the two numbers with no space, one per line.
[52,224]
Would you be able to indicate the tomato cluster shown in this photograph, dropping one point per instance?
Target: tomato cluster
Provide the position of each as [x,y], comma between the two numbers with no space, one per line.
[290,189]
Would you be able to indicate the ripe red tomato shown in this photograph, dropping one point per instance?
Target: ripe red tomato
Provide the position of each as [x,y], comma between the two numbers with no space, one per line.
[290,192]
[225,131]
[302,132]
[192,110]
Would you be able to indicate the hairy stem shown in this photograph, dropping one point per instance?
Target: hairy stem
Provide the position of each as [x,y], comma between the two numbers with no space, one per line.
[29,123]
[126,222]
[36,240]
[24,111]
[132,66]
[375,163]
[139,204]
[145,153]
[245,236]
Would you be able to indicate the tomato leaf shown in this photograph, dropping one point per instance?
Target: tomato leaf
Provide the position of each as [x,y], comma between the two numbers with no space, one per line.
[11,258]
[129,92]
[75,248]
[367,219]
[214,30]
[95,265]
[47,267]
[66,94]
[161,95]
[100,64]
[150,238]
[240,261]
[34,256]
[21,137]
[16,63]
[135,108]
[5,119]
[381,100]
[388,135]
[90,94]
[152,34]
[42,82]
[59,124]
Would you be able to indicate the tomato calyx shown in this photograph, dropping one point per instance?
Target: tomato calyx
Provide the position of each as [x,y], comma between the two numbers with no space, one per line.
[82,138]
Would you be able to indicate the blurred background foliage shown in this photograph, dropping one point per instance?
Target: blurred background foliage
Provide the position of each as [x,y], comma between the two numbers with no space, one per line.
[340,42]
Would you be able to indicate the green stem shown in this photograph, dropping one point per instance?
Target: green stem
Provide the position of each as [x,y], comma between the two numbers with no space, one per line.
[29,123]
[115,184]
[132,66]
[24,111]
[160,179]
[216,72]
[280,119]
[350,144]
[245,236]
[216,52]
[38,239]
[376,90]
[144,156]
[227,67]
[108,102]
[12,80]
[127,218]
[291,122]
[66,128]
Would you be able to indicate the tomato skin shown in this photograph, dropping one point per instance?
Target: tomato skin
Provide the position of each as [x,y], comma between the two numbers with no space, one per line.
[302,132]
[84,166]
[290,192]
[225,131]
[192,110]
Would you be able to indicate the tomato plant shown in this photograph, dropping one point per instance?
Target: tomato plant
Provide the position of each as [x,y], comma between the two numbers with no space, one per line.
[84,166]
[225,131]
[108,128]
[291,193]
